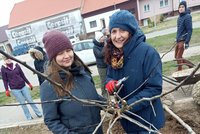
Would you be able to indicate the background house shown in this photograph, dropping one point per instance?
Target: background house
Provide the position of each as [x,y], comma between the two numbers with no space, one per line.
[155,9]
[96,13]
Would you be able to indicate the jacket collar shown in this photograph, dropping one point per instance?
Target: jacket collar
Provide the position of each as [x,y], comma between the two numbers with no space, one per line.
[133,42]
[75,70]
[14,66]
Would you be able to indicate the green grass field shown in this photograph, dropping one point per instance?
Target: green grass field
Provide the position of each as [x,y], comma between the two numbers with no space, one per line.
[35,93]
[165,42]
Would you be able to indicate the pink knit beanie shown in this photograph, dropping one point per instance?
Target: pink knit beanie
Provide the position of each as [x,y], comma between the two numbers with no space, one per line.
[55,42]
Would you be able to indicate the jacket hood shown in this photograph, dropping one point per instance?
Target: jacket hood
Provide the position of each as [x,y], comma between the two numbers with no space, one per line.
[134,41]
[183,3]
[98,36]
[37,51]
[187,10]
[125,20]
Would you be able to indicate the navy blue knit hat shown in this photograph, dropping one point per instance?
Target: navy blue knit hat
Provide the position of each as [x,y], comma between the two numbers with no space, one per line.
[183,3]
[123,19]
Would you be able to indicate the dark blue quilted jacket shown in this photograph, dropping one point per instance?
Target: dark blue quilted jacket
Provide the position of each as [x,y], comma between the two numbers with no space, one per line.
[184,27]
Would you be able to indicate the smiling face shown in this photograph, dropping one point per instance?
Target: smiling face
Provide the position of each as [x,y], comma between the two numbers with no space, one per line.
[181,9]
[65,58]
[119,37]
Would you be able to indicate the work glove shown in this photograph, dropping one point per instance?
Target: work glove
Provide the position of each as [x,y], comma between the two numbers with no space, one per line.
[111,86]
[7,93]
[30,86]
[186,46]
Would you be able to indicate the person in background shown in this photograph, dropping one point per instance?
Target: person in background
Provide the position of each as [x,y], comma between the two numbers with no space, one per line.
[66,68]
[40,60]
[106,34]
[128,55]
[183,36]
[14,78]
[101,65]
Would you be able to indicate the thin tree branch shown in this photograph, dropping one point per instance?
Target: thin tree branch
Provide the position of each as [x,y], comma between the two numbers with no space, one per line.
[99,125]
[144,99]
[139,124]
[189,129]
[142,119]
[111,124]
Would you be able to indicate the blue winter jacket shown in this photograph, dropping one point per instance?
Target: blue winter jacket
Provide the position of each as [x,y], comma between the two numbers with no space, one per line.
[71,117]
[184,27]
[141,62]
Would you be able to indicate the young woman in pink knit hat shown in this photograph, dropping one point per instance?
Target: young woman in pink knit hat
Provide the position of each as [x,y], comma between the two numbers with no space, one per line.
[66,68]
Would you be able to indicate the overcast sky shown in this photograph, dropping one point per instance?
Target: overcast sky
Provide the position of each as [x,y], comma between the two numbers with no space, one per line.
[5,9]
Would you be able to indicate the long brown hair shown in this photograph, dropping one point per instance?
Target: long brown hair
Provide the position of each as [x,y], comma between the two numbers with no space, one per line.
[53,72]
[107,50]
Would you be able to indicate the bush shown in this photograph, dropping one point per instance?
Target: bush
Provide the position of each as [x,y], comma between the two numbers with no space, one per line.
[150,23]
[162,18]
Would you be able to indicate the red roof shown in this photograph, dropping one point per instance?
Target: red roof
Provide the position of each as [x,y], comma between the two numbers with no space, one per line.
[93,5]
[31,10]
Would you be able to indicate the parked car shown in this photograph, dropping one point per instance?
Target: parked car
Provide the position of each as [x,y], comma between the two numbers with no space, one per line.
[73,38]
[84,49]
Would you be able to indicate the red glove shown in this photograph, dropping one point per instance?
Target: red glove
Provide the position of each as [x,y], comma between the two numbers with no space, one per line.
[111,86]
[8,93]
[30,86]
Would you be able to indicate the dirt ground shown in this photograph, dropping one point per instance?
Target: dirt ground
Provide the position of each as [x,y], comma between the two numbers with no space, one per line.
[171,127]
[182,105]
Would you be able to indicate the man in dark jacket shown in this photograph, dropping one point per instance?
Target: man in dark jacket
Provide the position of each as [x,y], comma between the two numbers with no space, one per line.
[101,65]
[184,33]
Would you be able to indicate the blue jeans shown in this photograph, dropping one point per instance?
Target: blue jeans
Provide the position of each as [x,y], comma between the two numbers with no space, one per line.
[23,95]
